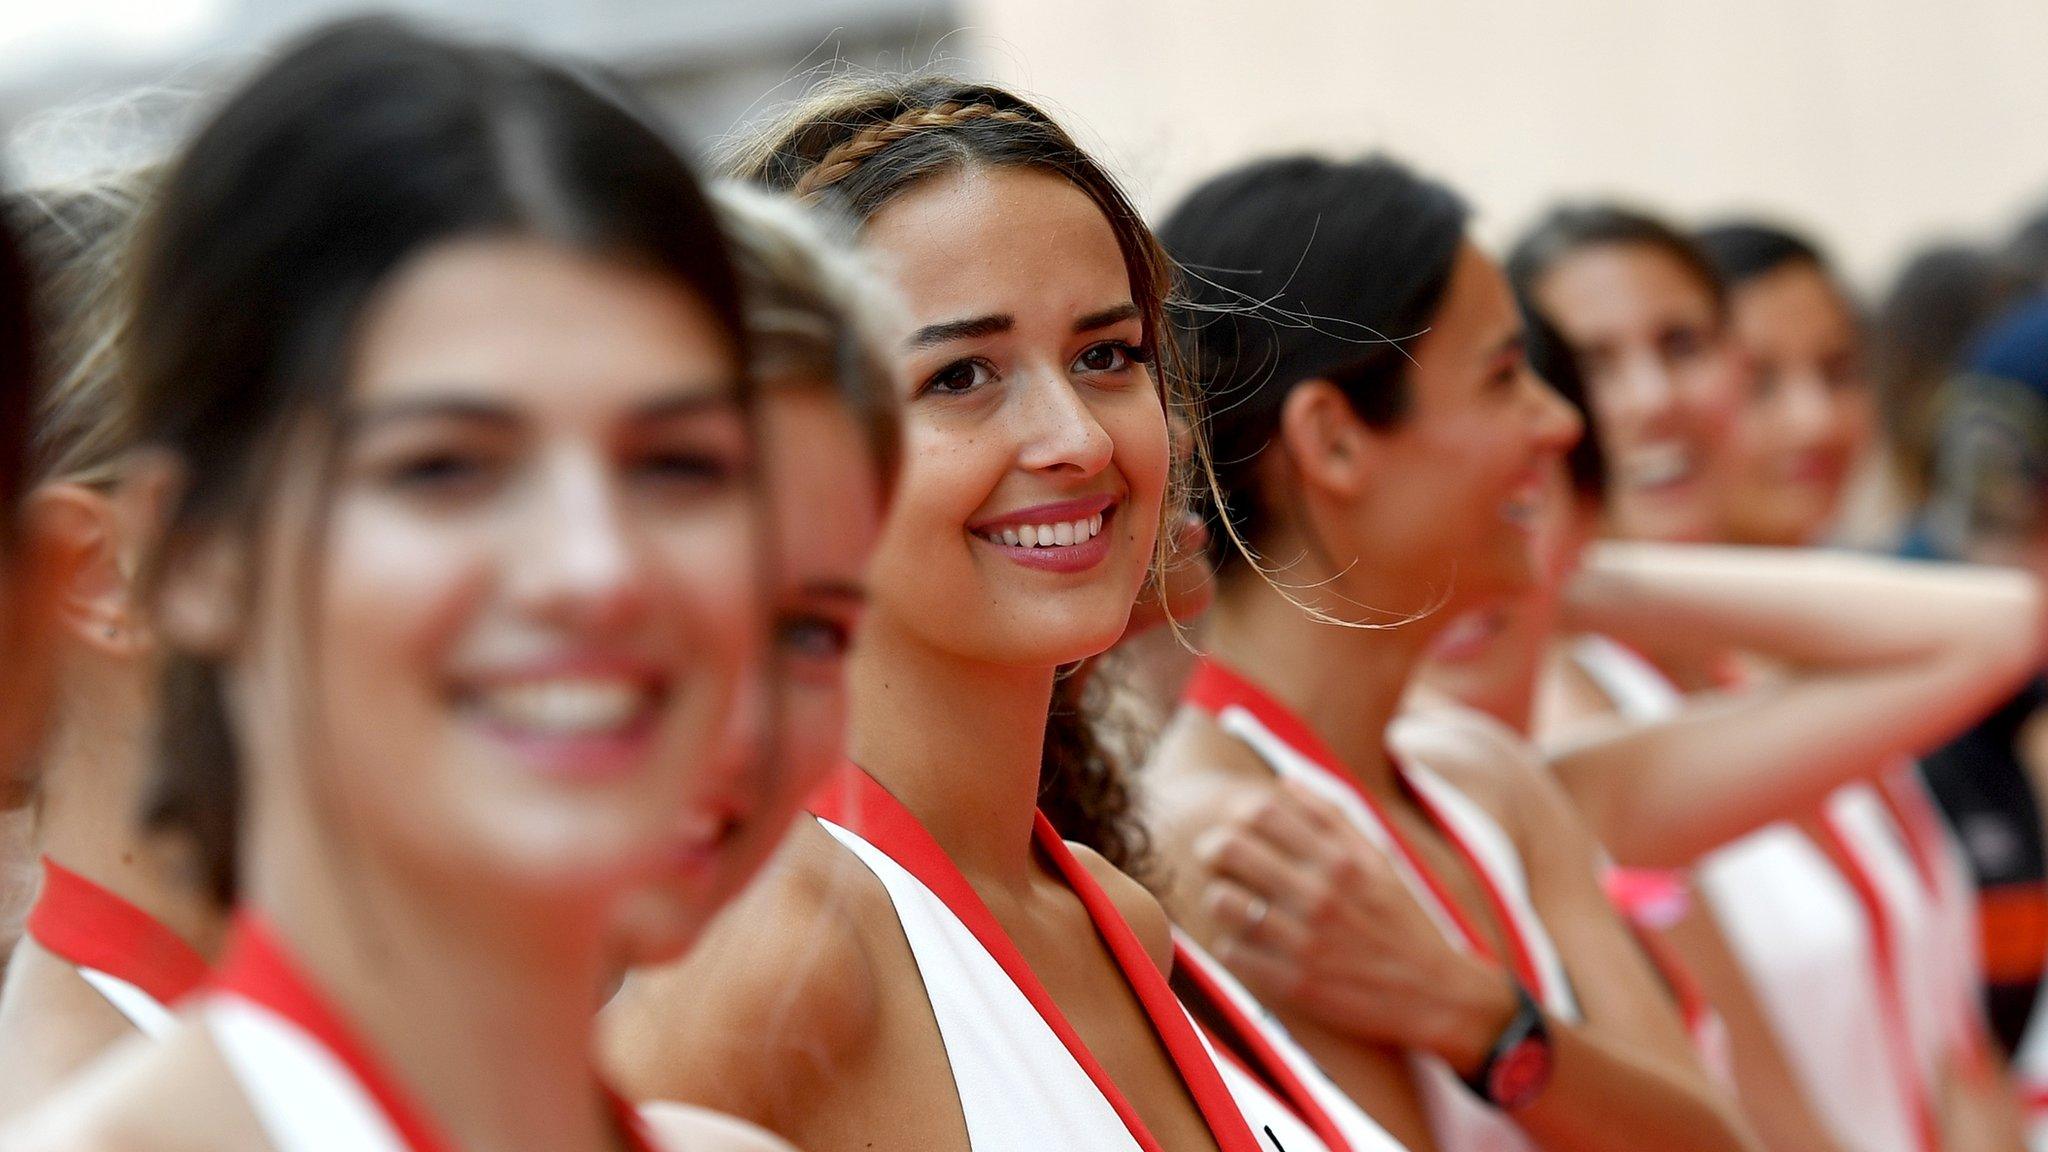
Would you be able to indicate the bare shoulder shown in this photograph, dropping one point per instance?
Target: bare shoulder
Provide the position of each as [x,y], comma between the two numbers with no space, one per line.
[52,1025]
[785,976]
[681,1126]
[1568,701]
[1139,907]
[1197,772]
[169,1095]
[1483,758]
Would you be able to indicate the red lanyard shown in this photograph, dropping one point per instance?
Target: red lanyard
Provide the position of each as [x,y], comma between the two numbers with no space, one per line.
[854,801]
[91,927]
[256,968]
[1244,1039]
[1215,688]
[1834,841]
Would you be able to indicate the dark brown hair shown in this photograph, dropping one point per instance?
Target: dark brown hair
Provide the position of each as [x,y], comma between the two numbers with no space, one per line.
[855,145]
[362,146]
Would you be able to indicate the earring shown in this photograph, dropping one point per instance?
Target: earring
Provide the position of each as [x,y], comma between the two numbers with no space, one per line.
[113,631]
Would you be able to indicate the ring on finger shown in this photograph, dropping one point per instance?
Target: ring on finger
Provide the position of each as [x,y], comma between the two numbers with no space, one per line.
[1256,914]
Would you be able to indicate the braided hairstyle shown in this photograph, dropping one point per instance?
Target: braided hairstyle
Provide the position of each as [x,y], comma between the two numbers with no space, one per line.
[855,145]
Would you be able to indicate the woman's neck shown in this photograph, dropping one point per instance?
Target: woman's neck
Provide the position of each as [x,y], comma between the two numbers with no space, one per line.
[90,817]
[1345,683]
[959,742]
[481,1003]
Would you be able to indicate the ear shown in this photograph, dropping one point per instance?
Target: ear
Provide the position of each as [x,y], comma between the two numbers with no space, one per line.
[1330,447]
[198,599]
[80,528]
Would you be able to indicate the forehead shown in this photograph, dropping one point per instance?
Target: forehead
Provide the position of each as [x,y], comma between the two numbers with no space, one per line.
[1478,307]
[1796,297]
[1605,289]
[529,321]
[982,241]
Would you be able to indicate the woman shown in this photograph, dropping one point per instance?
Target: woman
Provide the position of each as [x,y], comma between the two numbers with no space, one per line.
[1832,926]
[458,591]
[965,978]
[119,931]
[1385,480]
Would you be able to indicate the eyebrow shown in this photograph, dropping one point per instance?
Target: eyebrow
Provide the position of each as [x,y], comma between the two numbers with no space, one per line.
[933,335]
[1107,317]
[995,324]
[685,400]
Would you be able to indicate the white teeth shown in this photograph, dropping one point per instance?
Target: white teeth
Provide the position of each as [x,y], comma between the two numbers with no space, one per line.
[1062,534]
[1658,464]
[566,706]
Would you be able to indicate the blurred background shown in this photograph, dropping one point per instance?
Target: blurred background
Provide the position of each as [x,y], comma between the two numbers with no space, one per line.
[1878,124]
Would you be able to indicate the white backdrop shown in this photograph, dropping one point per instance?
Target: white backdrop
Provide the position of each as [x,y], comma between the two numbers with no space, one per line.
[1875,122]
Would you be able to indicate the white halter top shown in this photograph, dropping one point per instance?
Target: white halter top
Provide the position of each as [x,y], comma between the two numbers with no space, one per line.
[1024,1080]
[1461,1121]
[1862,955]
[313,1086]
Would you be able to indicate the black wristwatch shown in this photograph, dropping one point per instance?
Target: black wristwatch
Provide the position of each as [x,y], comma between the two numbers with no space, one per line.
[1518,1067]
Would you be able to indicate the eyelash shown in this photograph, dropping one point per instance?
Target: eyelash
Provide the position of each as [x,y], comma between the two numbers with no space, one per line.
[1132,355]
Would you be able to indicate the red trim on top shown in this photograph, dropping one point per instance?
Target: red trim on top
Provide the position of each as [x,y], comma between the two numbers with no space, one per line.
[1214,687]
[1647,900]
[856,802]
[1891,1006]
[256,967]
[91,927]
[1245,1042]
[1925,835]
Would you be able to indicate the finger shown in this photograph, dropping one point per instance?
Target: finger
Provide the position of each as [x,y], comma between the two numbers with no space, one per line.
[1316,810]
[1244,916]
[1231,854]
[1280,819]
[1270,976]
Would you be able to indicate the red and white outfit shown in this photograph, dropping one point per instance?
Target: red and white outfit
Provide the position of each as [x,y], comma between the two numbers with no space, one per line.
[1461,1121]
[313,1084]
[1856,935]
[1025,1080]
[142,968]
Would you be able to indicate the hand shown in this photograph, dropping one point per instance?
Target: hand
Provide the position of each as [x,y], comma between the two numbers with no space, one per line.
[1312,915]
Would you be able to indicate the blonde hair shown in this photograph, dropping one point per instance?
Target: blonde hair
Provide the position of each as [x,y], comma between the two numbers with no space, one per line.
[814,312]
[76,238]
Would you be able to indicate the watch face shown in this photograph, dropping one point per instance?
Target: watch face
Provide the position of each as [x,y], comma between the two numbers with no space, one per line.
[1519,1074]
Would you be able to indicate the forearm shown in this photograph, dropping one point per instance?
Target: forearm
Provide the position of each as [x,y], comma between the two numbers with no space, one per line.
[1665,793]
[1807,607]
[1979,1112]
[1602,1098]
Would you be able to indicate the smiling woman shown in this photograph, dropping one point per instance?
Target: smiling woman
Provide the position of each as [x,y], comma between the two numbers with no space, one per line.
[972,981]
[459,587]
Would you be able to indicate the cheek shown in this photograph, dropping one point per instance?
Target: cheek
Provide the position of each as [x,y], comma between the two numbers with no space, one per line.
[397,593]
[1143,449]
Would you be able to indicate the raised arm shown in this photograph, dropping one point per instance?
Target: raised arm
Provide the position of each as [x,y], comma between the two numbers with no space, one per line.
[1876,659]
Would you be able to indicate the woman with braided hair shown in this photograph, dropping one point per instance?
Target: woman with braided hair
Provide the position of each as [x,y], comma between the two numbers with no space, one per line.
[965,977]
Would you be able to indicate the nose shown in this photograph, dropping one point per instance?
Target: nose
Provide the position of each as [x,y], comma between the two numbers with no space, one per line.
[1557,425]
[1807,415]
[573,558]
[1646,390]
[1058,430]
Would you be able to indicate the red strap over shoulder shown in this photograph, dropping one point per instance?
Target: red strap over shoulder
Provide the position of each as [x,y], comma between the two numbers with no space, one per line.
[855,801]
[257,968]
[91,927]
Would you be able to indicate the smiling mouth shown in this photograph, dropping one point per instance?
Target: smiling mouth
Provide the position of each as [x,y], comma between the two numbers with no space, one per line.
[568,706]
[1058,534]
[1656,467]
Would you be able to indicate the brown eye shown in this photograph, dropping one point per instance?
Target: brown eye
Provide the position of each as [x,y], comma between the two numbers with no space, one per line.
[959,377]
